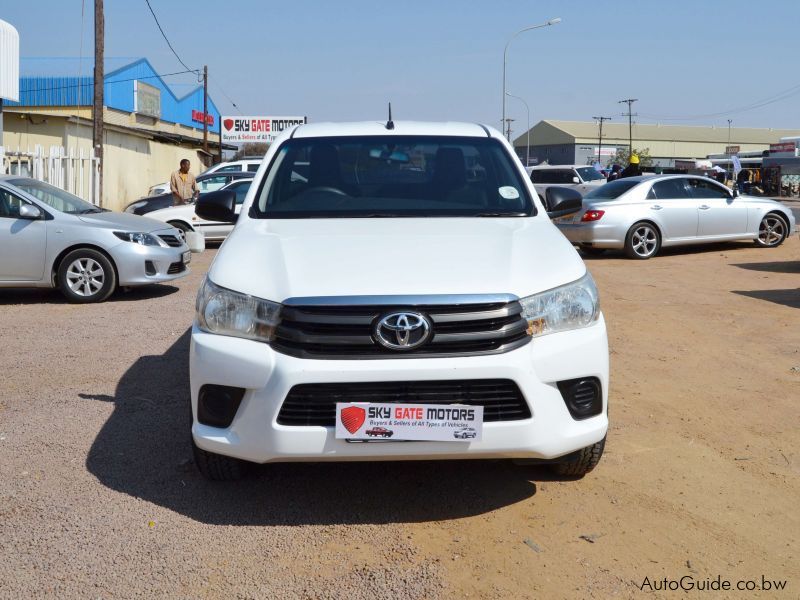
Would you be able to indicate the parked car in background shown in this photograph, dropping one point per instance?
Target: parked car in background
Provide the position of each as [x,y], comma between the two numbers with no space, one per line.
[50,238]
[183,216]
[246,164]
[643,214]
[583,178]
[410,263]
[205,183]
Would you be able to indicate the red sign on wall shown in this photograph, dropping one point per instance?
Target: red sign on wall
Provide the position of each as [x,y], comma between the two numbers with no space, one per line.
[197,115]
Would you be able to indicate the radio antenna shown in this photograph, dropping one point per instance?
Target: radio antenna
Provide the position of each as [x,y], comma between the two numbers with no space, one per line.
[390,123]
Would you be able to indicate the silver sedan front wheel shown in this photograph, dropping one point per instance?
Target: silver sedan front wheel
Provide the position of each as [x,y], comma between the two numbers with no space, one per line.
[643,241]
[86,275]
[772,231]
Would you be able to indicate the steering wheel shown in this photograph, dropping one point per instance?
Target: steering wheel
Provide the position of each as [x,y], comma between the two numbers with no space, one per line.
[327,188]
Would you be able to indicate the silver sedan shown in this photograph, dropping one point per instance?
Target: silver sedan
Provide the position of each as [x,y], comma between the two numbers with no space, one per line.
[643,214]
[50,238]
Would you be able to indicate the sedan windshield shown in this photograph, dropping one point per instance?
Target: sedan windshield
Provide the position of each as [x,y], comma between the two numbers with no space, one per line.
[392,176]
[54,197]
[589,173]
[611,190]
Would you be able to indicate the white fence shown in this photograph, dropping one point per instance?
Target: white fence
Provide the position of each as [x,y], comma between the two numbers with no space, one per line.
[76,172]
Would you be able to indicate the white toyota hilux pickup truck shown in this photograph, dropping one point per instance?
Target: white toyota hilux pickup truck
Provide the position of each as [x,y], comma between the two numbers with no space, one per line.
[396,291]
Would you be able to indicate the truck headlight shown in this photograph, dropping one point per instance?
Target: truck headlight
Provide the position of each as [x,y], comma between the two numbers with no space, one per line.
[570,306]
[226,312]
[144,239]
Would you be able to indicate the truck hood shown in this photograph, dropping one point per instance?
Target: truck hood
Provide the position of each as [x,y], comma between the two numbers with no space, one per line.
[123,222]
[282,258]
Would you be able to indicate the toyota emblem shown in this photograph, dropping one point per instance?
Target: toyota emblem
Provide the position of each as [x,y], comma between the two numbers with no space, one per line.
[402,330]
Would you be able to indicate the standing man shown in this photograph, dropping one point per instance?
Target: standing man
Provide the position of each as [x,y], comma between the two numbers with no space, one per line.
[632,170]
[183,185]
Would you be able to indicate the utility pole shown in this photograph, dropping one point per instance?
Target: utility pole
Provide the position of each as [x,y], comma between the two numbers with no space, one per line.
[508,128]
[630,115]
[600,140]
[99,80]
[729,131]
[205,109]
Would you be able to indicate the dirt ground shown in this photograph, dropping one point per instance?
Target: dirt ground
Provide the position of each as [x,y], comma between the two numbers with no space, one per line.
[99,498]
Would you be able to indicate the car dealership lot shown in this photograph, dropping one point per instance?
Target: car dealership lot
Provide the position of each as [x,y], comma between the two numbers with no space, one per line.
[98,496]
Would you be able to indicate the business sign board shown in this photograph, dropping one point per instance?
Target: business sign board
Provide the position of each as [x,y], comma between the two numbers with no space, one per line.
[782,147]
[146,99]
[238,130]
[9,62]
[198,116]
[408,422]
[732,149]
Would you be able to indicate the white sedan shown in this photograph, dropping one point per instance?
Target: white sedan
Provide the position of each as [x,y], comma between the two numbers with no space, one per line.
[184,218]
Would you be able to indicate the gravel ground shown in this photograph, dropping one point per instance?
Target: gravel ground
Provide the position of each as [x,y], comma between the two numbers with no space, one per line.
[99,496]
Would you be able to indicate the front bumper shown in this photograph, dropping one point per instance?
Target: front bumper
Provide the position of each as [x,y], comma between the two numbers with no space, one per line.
[267,376]
[141,265]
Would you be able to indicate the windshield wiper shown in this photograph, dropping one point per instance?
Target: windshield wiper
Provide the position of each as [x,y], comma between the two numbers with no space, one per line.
[86,211]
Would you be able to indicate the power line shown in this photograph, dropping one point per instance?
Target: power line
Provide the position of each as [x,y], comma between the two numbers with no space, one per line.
[630,115]
[778,97]
[167,39]
[91,83]
[600,121]
[222,91]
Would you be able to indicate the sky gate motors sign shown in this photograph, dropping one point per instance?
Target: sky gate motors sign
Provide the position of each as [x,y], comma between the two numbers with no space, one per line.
[238,130]
[401,422]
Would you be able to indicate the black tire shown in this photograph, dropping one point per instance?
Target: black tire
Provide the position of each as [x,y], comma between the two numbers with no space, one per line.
[772,231]
[642,241]
[180,225]
[587,459]
[86,275]
[218,467]
[590,251]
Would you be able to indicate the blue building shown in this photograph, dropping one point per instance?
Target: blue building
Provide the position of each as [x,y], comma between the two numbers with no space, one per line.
[149,125]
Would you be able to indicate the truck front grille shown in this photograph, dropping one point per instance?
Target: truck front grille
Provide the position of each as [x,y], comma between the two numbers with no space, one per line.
[315,403]
[347,332]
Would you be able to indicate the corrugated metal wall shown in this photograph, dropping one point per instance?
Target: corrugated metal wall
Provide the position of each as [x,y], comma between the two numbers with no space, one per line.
[118,91]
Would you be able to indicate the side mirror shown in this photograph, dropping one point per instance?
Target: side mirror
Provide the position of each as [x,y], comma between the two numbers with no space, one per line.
[562,201]
[30,212]
[575,179]
[217,206]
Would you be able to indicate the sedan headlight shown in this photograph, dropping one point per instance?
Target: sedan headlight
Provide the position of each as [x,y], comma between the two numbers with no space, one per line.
[226,312]
[144,239]
[570,306]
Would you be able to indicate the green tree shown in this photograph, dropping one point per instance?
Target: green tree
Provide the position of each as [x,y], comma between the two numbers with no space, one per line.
[251,149]
[622,157]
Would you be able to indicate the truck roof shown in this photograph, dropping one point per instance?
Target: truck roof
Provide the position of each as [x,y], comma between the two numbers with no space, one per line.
[400,128]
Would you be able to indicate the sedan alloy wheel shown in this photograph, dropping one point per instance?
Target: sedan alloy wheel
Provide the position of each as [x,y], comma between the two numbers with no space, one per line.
[771,231]
[643,241]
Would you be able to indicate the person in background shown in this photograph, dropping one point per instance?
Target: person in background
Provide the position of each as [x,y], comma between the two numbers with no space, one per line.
[632,170]
[614,174]
[182,184]
[743,181]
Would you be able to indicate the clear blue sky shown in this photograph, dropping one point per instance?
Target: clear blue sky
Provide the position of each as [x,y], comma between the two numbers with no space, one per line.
[343,60]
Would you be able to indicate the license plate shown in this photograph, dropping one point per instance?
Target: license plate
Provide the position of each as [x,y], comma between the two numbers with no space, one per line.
[187,257]
[408,422]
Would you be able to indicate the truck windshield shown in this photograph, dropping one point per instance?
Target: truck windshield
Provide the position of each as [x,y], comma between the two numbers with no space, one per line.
[392,176]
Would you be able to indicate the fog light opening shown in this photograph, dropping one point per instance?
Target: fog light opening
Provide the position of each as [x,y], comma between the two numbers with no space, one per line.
[217,404]
[583,397]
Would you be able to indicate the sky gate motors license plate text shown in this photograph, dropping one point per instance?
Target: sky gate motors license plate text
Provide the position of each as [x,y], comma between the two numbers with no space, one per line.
[419,422]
